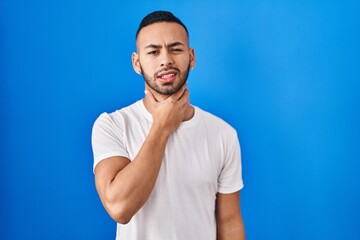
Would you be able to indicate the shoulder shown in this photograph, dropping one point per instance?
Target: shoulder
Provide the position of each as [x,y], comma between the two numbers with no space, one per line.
[120,115]
[215,123]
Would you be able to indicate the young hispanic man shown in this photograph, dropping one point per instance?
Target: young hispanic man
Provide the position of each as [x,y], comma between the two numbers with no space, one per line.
[165,169]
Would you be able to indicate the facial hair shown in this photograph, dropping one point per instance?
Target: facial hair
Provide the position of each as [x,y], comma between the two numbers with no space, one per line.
[169,88]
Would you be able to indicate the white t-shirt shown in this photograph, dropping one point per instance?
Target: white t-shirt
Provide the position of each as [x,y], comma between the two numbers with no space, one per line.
[202,158]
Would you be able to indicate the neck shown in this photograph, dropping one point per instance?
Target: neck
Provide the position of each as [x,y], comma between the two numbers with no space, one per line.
[190,111]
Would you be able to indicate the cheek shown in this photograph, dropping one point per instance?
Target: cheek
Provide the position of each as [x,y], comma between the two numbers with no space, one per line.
[147,67]
[184,64]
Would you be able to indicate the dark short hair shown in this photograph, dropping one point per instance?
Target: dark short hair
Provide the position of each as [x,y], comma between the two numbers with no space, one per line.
[159,16]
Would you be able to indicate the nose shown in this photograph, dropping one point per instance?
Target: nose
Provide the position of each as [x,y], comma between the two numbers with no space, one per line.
[166,59]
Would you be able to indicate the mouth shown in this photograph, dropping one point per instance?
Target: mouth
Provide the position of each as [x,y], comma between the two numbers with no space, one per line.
[167,77]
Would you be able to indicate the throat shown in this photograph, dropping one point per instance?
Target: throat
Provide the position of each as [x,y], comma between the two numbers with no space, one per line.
[190,112]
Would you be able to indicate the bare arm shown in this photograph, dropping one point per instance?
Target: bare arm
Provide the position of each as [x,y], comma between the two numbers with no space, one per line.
[230,225]
[124,185]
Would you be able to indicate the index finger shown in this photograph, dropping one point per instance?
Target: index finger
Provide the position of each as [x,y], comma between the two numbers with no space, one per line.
[176,96]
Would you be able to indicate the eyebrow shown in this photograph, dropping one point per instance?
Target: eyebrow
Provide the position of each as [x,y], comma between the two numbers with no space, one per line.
[174,44]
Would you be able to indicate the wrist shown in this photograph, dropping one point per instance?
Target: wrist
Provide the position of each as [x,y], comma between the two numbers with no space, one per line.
[160,132]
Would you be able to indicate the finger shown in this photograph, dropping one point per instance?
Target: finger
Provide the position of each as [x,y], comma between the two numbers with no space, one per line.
[185,94]
[176,96]
[184,99]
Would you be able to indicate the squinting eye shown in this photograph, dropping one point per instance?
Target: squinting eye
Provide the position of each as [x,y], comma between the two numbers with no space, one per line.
[177,50]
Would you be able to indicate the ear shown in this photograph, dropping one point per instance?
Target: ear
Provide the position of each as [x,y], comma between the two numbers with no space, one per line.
[136,62]
[192,58]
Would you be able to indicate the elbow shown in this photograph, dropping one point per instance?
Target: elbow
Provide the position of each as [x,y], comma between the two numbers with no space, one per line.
[121,217]
[119,211]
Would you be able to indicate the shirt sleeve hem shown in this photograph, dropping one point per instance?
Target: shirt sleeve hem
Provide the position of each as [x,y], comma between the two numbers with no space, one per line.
[107,155]
[227,190]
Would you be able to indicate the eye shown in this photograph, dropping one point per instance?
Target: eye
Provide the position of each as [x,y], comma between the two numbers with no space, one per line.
[176,50]
[154,52]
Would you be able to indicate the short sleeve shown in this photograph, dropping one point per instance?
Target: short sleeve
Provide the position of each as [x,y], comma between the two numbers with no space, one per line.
[106,139]
[230,179]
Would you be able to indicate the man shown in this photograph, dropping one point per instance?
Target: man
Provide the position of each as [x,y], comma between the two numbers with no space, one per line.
[165,169]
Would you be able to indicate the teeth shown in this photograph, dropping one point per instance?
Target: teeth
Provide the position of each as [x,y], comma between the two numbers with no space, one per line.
[168,75]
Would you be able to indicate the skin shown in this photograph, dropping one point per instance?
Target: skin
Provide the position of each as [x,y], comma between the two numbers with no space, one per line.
[164,58]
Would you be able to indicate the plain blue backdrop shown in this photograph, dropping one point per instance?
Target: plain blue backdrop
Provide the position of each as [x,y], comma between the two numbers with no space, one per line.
[285,74]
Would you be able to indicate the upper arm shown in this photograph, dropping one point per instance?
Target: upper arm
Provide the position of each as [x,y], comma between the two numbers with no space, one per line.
[107,141]
[230,178]
[228,216]
[227,206]
[106,171]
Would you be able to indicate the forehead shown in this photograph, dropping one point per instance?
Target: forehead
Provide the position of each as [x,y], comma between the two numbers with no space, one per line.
[161,33]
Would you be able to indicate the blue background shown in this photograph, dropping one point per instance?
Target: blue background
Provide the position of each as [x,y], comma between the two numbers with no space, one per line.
[285,74]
